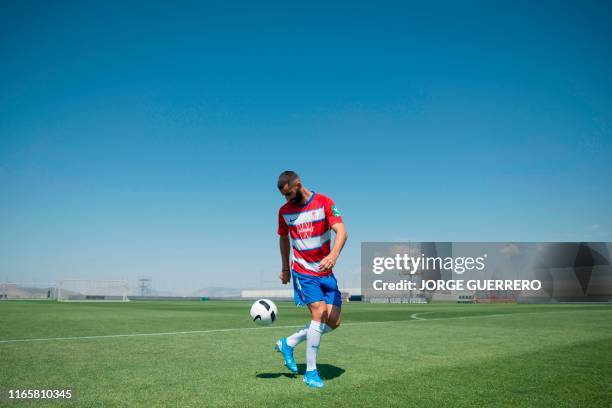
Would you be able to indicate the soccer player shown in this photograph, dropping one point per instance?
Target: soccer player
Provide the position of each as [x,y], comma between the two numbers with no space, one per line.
[307,218]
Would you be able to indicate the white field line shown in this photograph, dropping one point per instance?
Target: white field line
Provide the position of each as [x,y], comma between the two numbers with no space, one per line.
[414,318]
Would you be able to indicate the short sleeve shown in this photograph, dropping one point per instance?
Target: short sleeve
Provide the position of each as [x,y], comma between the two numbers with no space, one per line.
[283,230]
[332,214]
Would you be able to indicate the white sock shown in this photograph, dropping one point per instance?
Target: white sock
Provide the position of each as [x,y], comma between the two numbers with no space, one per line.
[313,339]
[299,336]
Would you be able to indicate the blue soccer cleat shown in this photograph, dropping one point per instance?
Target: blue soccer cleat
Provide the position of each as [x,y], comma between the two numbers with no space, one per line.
[287,352]
[312,379]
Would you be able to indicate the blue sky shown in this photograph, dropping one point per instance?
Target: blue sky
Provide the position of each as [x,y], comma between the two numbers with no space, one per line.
[146,138]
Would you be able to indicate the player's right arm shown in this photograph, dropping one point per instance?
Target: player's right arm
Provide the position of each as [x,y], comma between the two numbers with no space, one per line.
[285,248]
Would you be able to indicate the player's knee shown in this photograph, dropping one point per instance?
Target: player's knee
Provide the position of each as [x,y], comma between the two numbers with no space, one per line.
[319,314]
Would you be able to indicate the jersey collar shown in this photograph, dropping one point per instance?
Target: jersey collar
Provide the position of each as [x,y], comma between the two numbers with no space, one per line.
[309,200]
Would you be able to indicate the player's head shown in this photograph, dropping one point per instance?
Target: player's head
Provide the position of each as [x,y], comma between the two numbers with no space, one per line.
[290,185]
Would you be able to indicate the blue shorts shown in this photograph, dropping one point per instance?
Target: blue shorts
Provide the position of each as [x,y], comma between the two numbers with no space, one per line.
[308,289]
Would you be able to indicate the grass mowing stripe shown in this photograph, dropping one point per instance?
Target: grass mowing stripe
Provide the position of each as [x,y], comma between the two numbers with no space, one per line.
[414,318]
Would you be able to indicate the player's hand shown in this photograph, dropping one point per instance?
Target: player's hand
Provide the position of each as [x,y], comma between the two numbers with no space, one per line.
[285,276]
[328,262]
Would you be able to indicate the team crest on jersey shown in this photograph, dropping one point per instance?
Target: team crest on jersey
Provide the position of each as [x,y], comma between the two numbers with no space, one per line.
[336,211]
[306,228]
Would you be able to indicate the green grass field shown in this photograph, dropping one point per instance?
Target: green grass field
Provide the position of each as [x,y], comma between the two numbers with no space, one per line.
[383,355]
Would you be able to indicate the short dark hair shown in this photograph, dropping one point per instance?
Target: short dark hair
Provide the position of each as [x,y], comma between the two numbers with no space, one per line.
[286,177]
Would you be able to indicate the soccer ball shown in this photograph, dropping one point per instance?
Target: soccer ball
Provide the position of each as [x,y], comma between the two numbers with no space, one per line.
[264,312]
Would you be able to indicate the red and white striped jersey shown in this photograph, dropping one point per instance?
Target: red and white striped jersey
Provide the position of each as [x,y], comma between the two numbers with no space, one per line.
[309,227]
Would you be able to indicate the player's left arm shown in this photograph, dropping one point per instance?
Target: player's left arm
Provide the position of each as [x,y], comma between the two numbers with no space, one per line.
[341,236]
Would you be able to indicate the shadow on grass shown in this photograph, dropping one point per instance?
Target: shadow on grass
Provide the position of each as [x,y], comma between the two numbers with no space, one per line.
[326,371]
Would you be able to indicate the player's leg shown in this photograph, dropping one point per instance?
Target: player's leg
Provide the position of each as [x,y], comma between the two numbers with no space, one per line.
[318,314]
[306,291]
[331,323]
[333,299]
[334,314]
[318,311]
[300,300]
[325,318]
[297,337]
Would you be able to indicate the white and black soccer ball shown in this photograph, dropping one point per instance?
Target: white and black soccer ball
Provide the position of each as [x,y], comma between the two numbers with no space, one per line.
[264,312]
